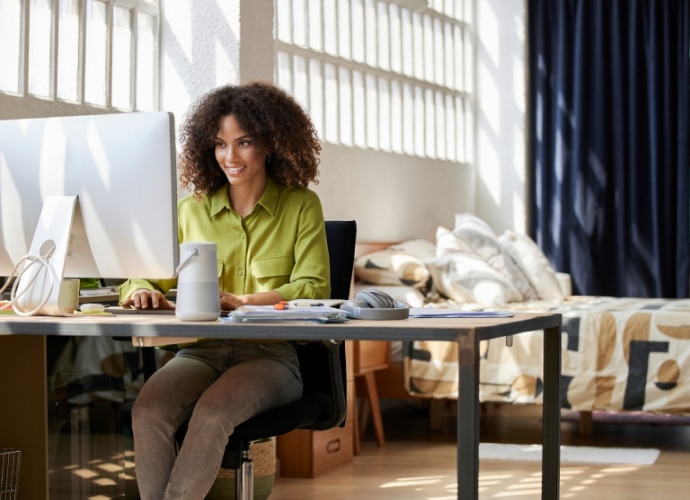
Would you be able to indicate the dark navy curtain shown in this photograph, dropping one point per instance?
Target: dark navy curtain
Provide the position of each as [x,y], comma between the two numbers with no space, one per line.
[609,143]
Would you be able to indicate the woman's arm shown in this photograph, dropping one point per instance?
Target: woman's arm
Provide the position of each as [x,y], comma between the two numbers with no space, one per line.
[230,301]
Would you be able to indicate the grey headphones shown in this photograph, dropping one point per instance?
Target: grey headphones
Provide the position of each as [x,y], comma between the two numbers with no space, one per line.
[374,304]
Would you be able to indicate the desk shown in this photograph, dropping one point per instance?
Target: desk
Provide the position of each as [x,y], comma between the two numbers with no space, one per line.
[20,354]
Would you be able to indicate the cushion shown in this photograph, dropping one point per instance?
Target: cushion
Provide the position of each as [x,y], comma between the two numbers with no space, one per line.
[535,264]
[400,264]
[475,236]
[473,223]
[447,242]
[467,278]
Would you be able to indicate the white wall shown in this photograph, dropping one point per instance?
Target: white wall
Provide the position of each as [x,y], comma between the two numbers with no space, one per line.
[391,196]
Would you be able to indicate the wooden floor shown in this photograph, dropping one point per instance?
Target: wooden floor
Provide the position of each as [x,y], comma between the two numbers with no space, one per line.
[417,463]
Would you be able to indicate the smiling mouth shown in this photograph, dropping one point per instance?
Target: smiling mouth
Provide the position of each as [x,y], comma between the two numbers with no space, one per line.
[234,170]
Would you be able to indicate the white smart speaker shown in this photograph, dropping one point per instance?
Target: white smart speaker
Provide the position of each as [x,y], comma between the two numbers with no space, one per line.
[198,295]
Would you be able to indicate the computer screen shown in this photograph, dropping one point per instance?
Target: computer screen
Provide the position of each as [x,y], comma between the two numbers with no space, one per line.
[107,180]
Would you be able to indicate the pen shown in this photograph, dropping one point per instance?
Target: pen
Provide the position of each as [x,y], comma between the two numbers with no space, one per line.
[283,304]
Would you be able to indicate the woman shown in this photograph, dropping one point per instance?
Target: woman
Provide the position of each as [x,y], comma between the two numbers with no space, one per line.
[249,153]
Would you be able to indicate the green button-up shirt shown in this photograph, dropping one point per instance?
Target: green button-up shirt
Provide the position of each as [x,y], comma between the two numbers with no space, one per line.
[280,245]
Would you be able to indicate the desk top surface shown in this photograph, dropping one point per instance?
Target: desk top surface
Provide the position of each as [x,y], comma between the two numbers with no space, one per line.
[142,325]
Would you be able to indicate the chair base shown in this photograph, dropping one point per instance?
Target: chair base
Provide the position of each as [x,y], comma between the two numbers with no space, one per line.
[253,479]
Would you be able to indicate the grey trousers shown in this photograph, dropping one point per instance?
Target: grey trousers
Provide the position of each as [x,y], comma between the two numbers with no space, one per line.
[216,385]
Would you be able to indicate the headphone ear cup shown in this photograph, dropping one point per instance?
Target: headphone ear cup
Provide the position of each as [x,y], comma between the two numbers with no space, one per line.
[357,302]
[374,304]
[352,307]
[376,298]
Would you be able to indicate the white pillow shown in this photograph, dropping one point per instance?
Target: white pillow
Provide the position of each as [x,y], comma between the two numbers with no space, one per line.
[474,223]
[476,236]
[447,242]
[467,278]
[535,264]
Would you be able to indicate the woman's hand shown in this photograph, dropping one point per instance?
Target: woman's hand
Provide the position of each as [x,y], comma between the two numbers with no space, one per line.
[229,301]
[147,299]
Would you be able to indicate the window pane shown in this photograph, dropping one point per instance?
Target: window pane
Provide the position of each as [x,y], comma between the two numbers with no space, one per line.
[10,41]
[345,106]
[283,18]
[358,31]
[408,119]
[395,38]
[330,19]
[396,117]
[299,28]
[147,62]
[359,109]
[284,71]
[370,31]
[300,89]
[68,50]
[344,32]
[315,24]
[383,36]
[372,111]
[122,59]
[40,47]
[331,104]
[316,95]
[96,53]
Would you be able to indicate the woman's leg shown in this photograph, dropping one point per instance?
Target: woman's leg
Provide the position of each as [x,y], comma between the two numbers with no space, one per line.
[164,403]
[264,377]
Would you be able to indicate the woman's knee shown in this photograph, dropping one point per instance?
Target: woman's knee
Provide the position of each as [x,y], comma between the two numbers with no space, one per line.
[150,411]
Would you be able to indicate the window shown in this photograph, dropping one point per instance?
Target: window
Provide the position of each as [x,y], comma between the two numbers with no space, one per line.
[390,75]
[45,51]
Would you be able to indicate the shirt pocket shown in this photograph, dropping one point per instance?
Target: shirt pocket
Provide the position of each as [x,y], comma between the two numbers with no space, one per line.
[271,272]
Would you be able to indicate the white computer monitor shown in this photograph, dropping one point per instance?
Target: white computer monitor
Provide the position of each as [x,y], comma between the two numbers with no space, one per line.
[102,189]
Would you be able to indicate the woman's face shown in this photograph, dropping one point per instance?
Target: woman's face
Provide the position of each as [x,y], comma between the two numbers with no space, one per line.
[238,154]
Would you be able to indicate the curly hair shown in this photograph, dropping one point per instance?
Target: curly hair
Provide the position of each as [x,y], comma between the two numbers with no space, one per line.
[269,115]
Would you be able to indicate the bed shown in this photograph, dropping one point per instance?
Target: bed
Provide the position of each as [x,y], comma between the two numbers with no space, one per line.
[619,353]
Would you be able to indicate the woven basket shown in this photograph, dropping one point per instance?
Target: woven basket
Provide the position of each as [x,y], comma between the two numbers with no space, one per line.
[263,455]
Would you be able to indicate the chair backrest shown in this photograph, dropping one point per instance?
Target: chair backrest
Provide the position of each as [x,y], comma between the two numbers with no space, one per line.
[324,398]
[341,236]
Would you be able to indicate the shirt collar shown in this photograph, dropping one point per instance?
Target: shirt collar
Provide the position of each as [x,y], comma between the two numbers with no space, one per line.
[269,198]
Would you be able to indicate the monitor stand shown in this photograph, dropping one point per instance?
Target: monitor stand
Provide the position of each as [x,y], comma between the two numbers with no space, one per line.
[38,286]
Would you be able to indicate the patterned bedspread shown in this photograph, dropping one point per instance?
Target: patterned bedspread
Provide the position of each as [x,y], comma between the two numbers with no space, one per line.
[617,354]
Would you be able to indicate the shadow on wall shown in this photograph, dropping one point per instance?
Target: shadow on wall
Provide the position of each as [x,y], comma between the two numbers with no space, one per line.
[501,114]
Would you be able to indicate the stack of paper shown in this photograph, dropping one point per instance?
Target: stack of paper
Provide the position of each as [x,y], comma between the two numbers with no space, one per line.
[321,314]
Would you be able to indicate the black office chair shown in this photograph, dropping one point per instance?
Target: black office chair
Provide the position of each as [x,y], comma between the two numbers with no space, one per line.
[324,403]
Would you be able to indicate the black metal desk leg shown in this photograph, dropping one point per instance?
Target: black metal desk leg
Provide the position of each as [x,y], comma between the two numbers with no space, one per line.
[468,418]
[551,451]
